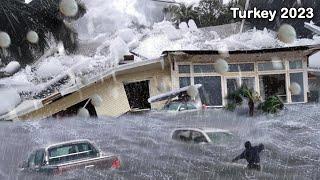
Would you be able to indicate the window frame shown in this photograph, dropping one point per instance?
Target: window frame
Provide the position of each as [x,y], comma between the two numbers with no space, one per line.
[295,60]
[253,63]
[284,63]
[178,68]
[302,88]
[204,64]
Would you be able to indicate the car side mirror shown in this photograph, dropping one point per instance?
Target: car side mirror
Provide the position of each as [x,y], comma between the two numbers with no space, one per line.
[182,109]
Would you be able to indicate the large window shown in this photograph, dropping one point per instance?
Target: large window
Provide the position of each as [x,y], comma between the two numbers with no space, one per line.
[207,68]
[273,85]
[297,64]
[184,69]
[184,82]
[297,78]
[234,83]
[270,66]
[210,92]
[247,67]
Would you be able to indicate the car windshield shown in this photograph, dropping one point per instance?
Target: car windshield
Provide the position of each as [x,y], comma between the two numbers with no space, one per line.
[191,106]
[71,152]
[219,137]
[172,106]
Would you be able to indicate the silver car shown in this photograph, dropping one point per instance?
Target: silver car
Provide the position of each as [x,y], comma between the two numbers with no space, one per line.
[202,135]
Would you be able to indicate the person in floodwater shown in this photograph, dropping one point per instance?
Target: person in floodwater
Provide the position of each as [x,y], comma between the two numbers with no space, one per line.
[251,154]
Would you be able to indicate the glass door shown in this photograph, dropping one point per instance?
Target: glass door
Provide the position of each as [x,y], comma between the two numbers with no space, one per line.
[211,91]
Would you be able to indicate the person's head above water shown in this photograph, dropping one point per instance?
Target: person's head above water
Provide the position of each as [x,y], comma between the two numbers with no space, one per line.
[247,144]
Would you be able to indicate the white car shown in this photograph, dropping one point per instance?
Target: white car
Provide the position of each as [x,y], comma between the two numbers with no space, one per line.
[202,135]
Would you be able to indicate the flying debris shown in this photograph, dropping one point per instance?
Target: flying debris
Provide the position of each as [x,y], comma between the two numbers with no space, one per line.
[164,1]
[312,27]
[83,112]
[10,99]
[12,67]
[295,88]
[96,100]
[221,66]
[5,40]
[33,37]
[287,34]
[277,63]
[68,7]
[189,90]
[193,91]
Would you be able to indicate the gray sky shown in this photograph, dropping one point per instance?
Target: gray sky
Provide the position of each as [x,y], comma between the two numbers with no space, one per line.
[314,60]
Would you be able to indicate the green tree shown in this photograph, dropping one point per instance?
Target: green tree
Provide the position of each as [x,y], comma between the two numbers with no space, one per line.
[272,105]
[210,12]
[181,13]
[237,97]
[206,13]
[42,16]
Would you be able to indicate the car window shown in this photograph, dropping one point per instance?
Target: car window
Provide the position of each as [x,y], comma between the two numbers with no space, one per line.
[191,106]
[39,158]
[198,137]
[183,107]
[219,137]
[71,152]
[172,106]
[182,135]
[31,159]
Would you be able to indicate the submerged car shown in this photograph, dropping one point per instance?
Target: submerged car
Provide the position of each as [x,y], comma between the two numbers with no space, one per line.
[202,135]
[181,106]
[185,99]
[66,156]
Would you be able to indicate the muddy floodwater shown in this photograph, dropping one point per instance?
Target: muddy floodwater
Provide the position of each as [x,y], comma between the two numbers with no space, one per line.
[291,139]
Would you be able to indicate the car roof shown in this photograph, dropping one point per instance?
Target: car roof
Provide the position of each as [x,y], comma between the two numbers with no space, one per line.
[206,130]
[69,142]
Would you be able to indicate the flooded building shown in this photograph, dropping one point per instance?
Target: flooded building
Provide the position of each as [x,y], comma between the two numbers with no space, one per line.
[129,86]
[268,71]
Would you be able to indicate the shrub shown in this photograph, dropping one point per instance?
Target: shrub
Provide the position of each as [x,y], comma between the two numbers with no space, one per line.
[272,105]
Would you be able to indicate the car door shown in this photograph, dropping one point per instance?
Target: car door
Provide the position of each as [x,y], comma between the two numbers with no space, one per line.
[30,163]
[36,160]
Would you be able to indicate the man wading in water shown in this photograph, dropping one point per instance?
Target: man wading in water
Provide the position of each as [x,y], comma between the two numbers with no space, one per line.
[251,154]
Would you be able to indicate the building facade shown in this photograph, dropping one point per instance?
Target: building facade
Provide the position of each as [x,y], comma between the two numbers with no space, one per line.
[128,87]
[269,72]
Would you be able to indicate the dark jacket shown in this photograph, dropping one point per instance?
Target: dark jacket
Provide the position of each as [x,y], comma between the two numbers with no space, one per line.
[251,154]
